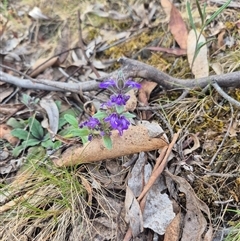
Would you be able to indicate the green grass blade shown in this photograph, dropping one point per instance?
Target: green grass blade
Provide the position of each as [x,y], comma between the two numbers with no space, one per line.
[224,6]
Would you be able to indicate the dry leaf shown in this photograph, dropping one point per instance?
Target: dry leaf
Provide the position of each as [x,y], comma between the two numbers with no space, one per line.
[195,224]
[134,140]
[5,133]
[200,66]
[173,230]
[167,7]
[5,92]
[133,213]
[62,46]
[42,64]
[176,51]
[178,28]
[53,114]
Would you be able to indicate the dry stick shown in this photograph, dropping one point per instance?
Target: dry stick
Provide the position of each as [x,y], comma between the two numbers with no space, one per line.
[48,85]
[133,68]
[159,170]
[160,158]
[225,95]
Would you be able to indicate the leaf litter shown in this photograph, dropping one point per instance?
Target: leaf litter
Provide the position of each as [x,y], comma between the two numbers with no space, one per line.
[89,203]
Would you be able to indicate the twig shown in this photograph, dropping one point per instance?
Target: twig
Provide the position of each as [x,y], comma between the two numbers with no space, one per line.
[224,94]
[48,85]
[133,68]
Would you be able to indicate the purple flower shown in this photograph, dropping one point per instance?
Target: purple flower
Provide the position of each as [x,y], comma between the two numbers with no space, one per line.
[119,85]
[119,99]
[108,83]
[130,83]
[91,124]
[118,122]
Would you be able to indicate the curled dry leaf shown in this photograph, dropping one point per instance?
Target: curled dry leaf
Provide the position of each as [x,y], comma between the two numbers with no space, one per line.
[53,114]
[5,133]
[134,140]
[199,65]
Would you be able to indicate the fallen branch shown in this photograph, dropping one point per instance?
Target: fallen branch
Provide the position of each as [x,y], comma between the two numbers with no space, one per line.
[134,68]
[136,139]
[48,85]
[130,68]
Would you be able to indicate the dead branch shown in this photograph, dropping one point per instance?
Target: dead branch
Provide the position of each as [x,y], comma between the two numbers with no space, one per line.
[48,84]
[134,68]
[131,68]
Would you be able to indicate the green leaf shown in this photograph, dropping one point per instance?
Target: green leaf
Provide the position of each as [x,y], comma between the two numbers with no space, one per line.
[201,13]
[100,115]
[71,120]
[190,16]
[107,142]
[36,128]
[17,150]
[84,139]
[58,104]
[47,144]
[80,132]
[15,124]
[62,121]
[36,153]
[119,109]
[128,115]
[224,6]
[31,142]
[20,133]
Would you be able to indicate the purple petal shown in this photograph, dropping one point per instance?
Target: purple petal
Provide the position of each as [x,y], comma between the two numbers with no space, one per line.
[108,83]
[119,99]
[92,123]
[133,84]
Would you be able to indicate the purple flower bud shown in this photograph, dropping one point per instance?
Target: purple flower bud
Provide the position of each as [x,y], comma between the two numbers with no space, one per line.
[119,99]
